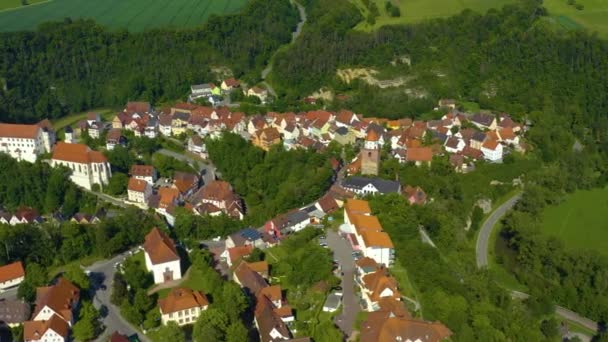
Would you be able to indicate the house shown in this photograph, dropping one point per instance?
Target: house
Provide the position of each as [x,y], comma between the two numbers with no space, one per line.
[327,204]
[256,124]
[454,145]
[69,135]
[267,137]
[114,138]
[345,118]
[251,281]
[364,186]
[48,134]
[179,122]
[261,268]
[197,146]
[258,92]
[144,172]
[139,107]
[344,136]
[235,254]
[378,285]
[385,325]
[414,195]
[230,84]
[22,142]
[182,306]
[375,244]
[419,155]
[60,300]
[243,237]
[268,322]
[164,124]
[117,337]
[185,182]
[447,103]
[88,167]
[483,121]
[53,329]
[492,150]
[161,257]
[82,218]
[203,91]
[14,312]
[138,190]
[221,195]
[11,275]
[24,215]
[293,221]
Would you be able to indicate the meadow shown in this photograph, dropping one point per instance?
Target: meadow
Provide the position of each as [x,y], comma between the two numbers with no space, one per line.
[592,16]
[580,221]
[6,5]
[134,15]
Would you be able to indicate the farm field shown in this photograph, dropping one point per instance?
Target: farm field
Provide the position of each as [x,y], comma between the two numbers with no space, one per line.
[134,15]
[580,221]
[592,17]
[14,4]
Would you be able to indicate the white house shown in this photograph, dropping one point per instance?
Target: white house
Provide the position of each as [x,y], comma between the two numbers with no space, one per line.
[454,145]
[59,300]
[376,286]
[161,256]
[492,150]
[22,142]
[196,145]
[52,330]
[378,246]
[182,306]
[144,172]
[370,186]
[11,275]
[88,167]
[139,191]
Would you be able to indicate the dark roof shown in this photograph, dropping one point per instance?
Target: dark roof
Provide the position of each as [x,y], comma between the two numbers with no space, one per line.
[14,311]
[342,130]
[249,279]
[478,136]
[247,234]
[297,217]
[383,186]
[483,119]
[182,116]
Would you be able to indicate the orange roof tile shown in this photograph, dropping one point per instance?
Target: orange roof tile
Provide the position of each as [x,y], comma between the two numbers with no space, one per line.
[377,239]
[34,330]
[365,223]
[274,292]
[260,266]
[142,170]
[19,131]
[356,206]
[490,144]
[424,154]
[11,271]
[236,253]
[181,299]
[59,297]
[372,135]
[138,185]
[159,247]
[77,153]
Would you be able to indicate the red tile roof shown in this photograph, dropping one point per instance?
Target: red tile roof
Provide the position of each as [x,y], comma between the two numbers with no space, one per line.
[77,153]
[181,299]
[159,247]
[142,170]
[59,297]
[19,131]
[423,154]
[11,271]
[138,185]
[34,330]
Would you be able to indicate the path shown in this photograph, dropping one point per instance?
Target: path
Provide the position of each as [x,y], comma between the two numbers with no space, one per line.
[483,239]
[294,36]
[350,301]
[170,284]
[108,198]
[113,321]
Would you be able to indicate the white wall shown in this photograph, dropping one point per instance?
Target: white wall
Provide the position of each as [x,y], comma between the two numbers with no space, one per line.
[30,148]
[159,269]
[10,283]
[380,254]
[187,316]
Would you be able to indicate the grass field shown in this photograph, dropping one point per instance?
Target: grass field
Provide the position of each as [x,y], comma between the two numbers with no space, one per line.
[592,17]
[15,4]
[580,221]
[134,15]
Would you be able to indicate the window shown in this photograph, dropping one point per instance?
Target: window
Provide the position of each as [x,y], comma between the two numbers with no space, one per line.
[171,315]
[181,314]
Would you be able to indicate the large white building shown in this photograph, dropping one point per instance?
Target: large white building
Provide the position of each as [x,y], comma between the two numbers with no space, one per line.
[88,167]
[23,142]
[182,306]
[367,232]
[161,257]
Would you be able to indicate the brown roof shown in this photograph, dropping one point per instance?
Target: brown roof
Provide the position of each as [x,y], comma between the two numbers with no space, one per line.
[216,190]
[268,320]
[160,247]
[366,262]
[249,279]
[238,252]
[395,307]
[372,135]
[419,154]
[259,266]
[344,116]
[270,134]
[377,239]
[328,204]
[114,135]
[231,82]
[167,196]
[138,185]
[19,131]
[274,293]
[138,107]
[365,223]
[490,144]
[77,153]
[381,326]
[11,271]
[181,299]
[356,206]
[14,311]
[117,337]
[184,181]
[472,152]
[142,170]
[34,330]
[377,282]
[59,297]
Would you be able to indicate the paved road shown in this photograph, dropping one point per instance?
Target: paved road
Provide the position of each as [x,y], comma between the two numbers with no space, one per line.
[350,302]
[483,240]
[107,198]
[486,230]
[113,320]
[207,170]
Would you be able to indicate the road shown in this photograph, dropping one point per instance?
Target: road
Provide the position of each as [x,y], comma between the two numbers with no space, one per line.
[207,170]
[113,321]
[483,239]
[107,198]
[343,254]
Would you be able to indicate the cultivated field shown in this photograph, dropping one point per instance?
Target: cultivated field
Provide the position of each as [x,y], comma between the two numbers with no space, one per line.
[134,15]
[581,221]
[592,16]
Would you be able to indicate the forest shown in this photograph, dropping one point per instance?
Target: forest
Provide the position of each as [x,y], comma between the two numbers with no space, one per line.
[270,182]
[76,65]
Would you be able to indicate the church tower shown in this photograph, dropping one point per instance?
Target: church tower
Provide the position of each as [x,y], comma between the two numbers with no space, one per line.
[370,154]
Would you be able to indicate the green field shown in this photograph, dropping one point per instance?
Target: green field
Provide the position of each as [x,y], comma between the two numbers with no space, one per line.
[593,16]
[7,5]
[134,15]
[580,221]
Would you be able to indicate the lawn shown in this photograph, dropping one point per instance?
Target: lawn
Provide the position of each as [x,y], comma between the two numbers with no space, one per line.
[580,220]
[134,15]
[592,17]
[106,114]
[6,5]
[194,282]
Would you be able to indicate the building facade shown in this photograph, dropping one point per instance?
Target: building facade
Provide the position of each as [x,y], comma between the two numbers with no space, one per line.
[88,167]
[22,142]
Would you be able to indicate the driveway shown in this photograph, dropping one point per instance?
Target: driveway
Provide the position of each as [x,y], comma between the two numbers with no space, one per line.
[483,238]
[103,271]
[350,302]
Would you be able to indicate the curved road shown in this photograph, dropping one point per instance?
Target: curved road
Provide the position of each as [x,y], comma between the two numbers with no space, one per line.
[481,250]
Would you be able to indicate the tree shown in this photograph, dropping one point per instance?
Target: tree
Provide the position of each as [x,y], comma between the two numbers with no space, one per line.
[118,184]
[169,332]
[142,302]
[88,325]
[152,319]
[210,325]
[232,301]
[120,158]
[76,275]
[136,275]
[549,328]
[236,332]
[35,276]
[119,290]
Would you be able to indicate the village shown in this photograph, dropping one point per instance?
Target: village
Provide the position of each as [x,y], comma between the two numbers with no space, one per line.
[467,138]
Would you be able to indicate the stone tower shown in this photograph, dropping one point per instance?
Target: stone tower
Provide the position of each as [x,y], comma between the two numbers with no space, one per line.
[370,154]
